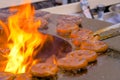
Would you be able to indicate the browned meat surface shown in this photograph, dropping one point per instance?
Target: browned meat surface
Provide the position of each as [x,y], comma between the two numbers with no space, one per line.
[97,46]
[43,21]
[72,63]
[83,39]
[69,19]
[42,14]
[65,29]
[89,55]
[44,17]
[83,33]
[44,70]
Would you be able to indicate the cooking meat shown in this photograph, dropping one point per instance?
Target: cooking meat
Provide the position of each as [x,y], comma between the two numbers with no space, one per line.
[69,19]
[65,29]
[6,76]
[97,46]
[89,55]
[83,33]
[44,70]
[77,41]
[44,22]
[72,63]
[84,39]
[51,60]
[24,76]
[42,14]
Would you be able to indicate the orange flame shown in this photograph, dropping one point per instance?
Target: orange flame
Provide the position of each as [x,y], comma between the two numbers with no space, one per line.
[23,37]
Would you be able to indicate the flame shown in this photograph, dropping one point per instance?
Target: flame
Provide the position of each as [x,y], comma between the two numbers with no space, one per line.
[24,38]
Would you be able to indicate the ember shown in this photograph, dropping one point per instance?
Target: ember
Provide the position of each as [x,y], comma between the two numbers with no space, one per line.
[23,38]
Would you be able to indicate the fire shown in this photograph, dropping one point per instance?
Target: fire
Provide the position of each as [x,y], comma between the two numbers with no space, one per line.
[23,37]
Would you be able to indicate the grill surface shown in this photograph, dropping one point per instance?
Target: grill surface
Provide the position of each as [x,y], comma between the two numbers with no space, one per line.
[107,65]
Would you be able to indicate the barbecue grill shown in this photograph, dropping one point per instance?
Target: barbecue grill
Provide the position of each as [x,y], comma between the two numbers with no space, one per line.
[107,65]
